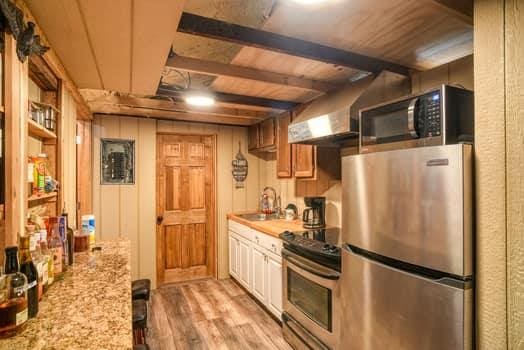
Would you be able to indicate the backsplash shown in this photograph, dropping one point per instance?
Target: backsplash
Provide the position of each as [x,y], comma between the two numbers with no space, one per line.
[285,188]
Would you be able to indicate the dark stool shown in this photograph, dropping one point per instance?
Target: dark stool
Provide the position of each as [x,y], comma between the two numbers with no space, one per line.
[140,289]
[139,321]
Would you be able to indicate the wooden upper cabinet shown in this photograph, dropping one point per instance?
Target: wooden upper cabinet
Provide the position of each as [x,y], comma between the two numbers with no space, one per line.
[252,137]
[266,133]
[262,136]
[284,149]
[303,159]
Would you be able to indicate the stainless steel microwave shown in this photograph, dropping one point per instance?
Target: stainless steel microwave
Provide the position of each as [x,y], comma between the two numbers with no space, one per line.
[440,116]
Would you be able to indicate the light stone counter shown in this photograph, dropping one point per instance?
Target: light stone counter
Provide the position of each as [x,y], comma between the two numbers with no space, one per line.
[90,308]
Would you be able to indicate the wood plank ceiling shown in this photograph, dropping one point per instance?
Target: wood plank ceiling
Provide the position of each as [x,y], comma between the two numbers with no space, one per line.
[122,46]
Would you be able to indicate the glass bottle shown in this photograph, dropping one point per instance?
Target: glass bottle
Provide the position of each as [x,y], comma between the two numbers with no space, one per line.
[62,230]
[36,256]
[70,238]
[48,269]
[55,245]
[13,296]
[28,268]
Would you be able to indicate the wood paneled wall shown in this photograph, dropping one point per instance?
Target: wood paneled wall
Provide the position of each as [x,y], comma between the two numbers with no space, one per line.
[129,210]
[499,135]
[68,148]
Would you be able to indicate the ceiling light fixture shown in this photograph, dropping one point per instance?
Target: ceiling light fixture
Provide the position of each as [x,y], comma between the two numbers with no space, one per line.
[200,100]
[308,2]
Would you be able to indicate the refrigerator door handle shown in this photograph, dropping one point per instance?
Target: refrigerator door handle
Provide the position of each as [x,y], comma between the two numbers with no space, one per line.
[420,272]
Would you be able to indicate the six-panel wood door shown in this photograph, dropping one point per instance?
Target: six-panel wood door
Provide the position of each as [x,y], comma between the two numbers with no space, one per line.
[185,207]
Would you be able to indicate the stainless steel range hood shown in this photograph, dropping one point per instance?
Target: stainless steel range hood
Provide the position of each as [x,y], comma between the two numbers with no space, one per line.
[333,118]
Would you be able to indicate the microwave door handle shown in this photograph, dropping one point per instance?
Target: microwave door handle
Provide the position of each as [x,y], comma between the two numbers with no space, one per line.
[411,118]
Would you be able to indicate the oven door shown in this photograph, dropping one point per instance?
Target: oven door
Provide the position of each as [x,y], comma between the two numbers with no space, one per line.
[311,295]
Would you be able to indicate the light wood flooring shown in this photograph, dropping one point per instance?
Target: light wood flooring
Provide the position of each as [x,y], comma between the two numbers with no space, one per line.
[210,314]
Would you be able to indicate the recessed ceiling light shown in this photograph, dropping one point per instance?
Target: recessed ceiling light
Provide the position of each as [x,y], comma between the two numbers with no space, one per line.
[200,100]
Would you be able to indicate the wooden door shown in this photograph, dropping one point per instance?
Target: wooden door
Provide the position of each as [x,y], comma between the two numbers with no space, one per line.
[185,207]
[284,169]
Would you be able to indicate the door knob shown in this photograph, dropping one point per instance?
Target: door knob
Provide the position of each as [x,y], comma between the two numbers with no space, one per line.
[159,219]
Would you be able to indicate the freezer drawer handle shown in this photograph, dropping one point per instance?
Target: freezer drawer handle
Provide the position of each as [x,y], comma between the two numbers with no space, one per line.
[309,267]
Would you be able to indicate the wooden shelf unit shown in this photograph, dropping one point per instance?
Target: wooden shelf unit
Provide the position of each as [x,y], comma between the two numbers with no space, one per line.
[38,197]
[46,105]
[37,130]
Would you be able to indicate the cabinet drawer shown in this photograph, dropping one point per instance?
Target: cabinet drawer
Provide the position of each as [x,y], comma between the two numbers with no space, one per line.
[241,230]
[271,243]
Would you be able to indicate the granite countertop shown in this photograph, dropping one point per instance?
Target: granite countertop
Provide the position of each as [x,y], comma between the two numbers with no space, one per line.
[271,227]
[89,308]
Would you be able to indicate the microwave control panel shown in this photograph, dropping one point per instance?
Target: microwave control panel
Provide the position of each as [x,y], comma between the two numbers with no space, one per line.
[429,115]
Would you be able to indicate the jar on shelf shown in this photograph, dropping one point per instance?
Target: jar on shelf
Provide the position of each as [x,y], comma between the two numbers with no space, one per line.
[13,296]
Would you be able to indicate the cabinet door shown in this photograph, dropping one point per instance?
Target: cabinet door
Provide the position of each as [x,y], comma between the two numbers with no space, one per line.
[274,285]
[252,137]
[284,169]
[267,133]
[304,161]
[233,255]
[244,263]
[259,273]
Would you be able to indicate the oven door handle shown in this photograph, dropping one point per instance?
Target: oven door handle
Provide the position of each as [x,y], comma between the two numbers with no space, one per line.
[411,118]
[306,265]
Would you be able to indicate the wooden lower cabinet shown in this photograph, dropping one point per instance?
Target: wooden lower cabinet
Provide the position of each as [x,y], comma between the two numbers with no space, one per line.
[259,273]
[233,255]
[255,262]
[244,262]
[274,283]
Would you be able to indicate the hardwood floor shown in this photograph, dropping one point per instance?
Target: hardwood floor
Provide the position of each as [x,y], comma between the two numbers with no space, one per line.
[210,314]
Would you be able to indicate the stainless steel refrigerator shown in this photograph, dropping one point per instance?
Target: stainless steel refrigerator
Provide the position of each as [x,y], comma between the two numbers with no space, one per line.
[407,261]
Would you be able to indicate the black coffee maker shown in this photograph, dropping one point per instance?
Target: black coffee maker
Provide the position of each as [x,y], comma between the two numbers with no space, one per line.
[314,215]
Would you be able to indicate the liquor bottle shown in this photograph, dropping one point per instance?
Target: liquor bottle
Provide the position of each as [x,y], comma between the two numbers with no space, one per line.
[56,247]
[48,269]
[29,270]
[62,230]
[70,238]
[13,296]
[36,256]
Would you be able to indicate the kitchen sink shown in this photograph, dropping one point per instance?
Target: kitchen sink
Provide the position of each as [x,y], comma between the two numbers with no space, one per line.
[258,217]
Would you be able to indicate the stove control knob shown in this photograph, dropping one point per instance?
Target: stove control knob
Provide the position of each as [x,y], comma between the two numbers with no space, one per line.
[288,235]
[328,248]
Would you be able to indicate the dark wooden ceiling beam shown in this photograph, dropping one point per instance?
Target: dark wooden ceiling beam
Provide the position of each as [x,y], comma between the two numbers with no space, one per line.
[216,29]
[195,65]
[171,115]
[234,99]
[172,106]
